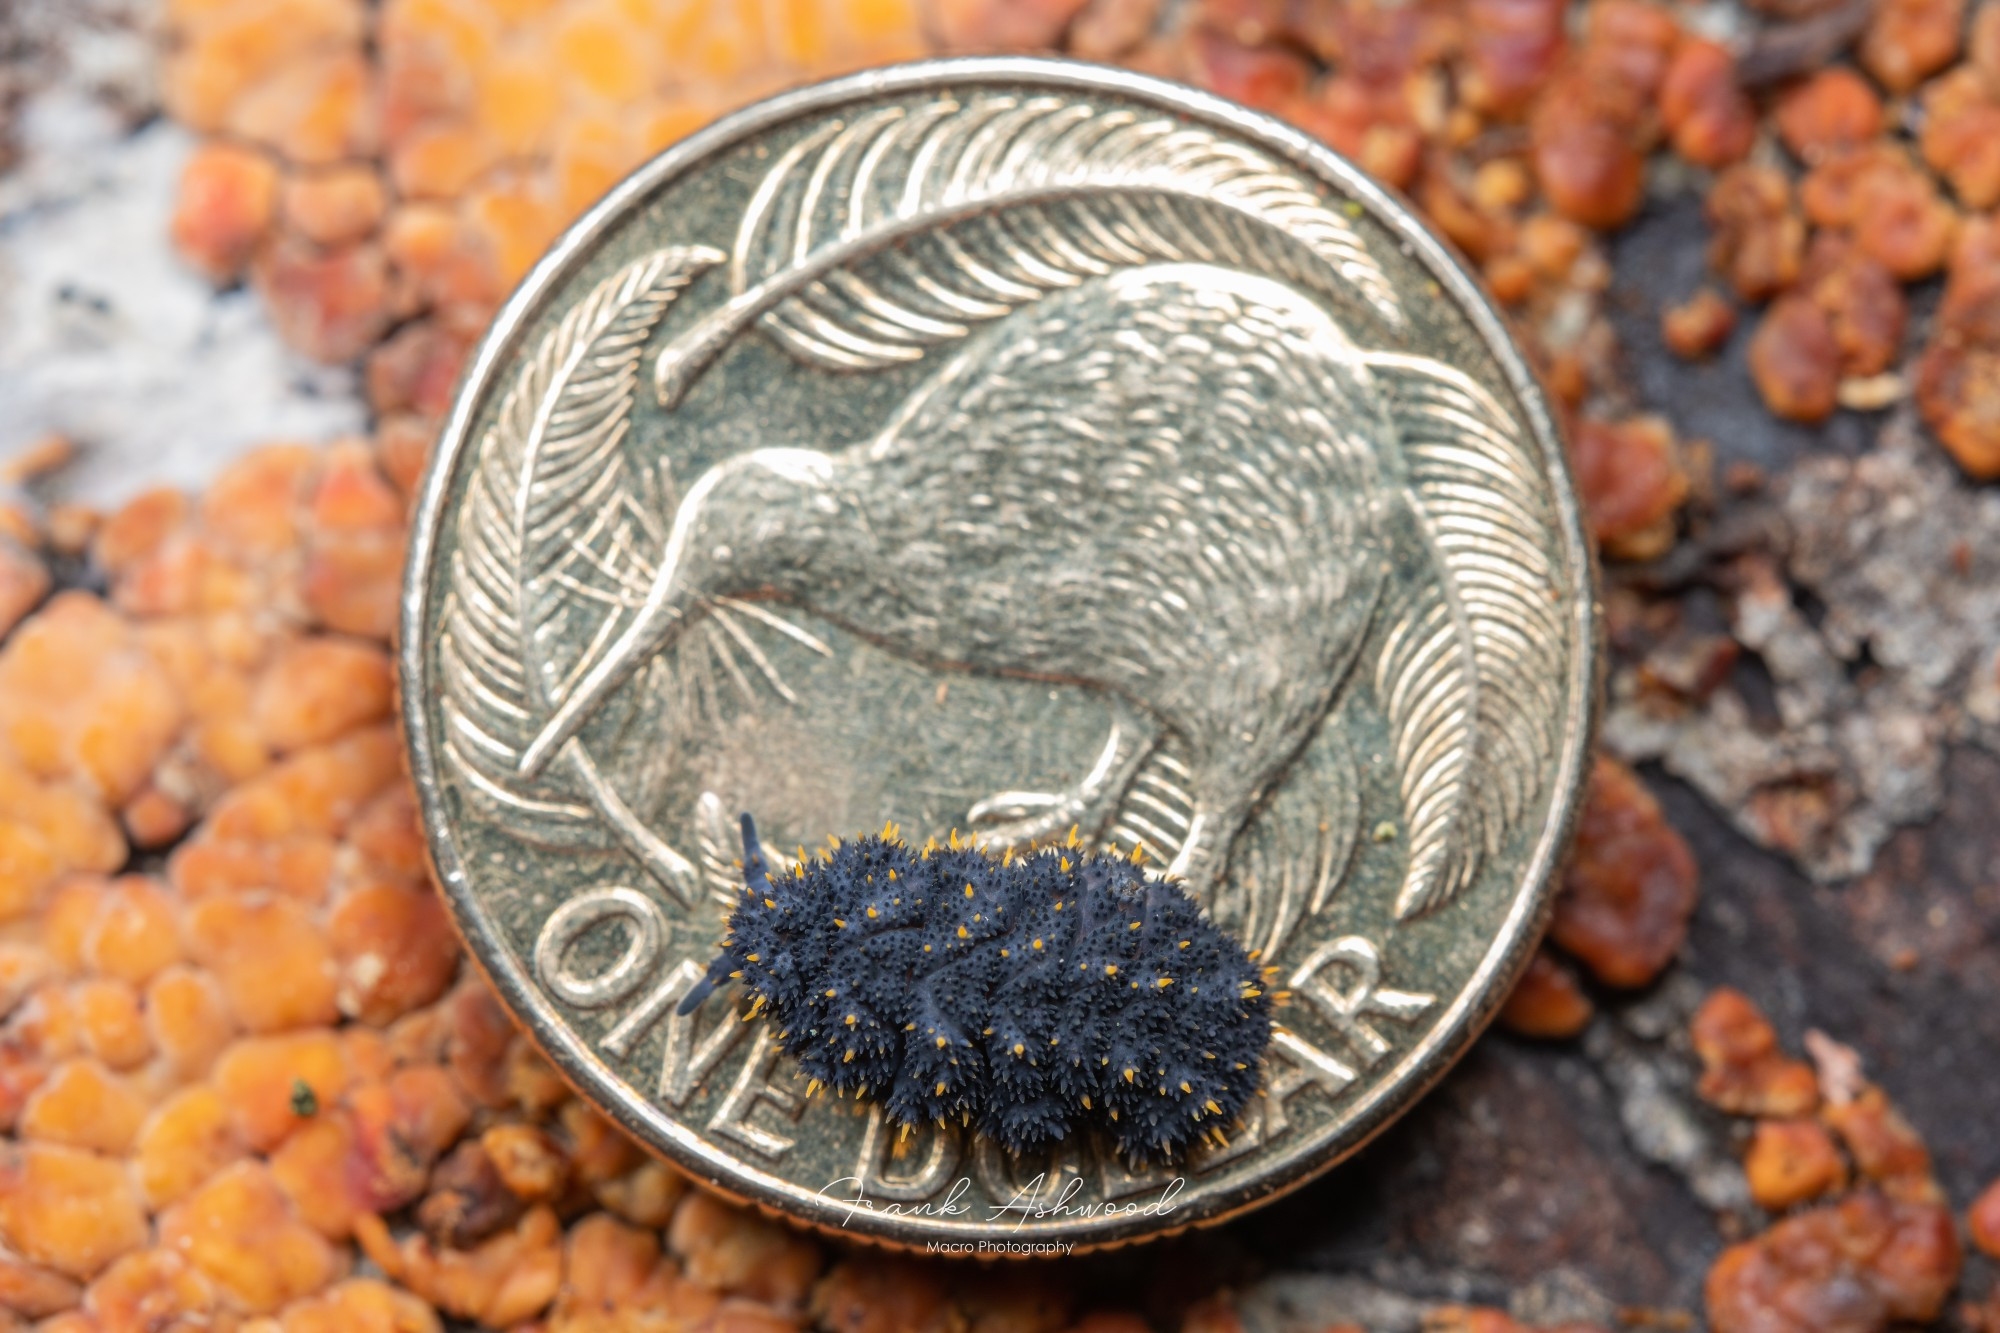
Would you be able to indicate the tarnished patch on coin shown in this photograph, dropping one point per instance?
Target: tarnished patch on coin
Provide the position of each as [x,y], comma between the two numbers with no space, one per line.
[1006,446]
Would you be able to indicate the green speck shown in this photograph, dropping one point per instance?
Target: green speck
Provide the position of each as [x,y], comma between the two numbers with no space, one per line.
[1385,831]
[1352,208]
[305,1102]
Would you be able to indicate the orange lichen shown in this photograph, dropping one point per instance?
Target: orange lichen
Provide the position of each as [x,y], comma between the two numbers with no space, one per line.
[189,1018]
[394,950]
[332,304]
[222,51]
[1760,238]
[597,1150]
[403,1123]
[46,831]
[112,1022]
[353,577]
[509,1277]
[361,1305]
[189,1138]
[881,1294]
[1861,300]
[1795,359]
[335,206]
[320,112]
[241,1232]
[138,529]
[1711,120]
[67,1208]
[32,1292]
[153,1289]
[1743,1069]
[1632,480]
[84,1105]
[1961,133]
[1885,1148]
[467,1201]
[1982,1220]
[1791,1162]
[1958,376]
[317,689]
[608,1266]
[1858,1265]
[315,1166]
[259,1076]
[24,581]
[645,1196]
[1829,113]
[1547,1001]
[81,699]
[1909,40]
[67,916]
[384,832]
[134,932]
[1880,196]
[720,1246]
[1585,160]
[228,201]
[153,819]
[251,508]
[529,1163]
[1699,326]
[274,964]
[1630,886]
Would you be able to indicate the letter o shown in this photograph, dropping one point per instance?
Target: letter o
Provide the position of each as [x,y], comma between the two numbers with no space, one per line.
[570,922]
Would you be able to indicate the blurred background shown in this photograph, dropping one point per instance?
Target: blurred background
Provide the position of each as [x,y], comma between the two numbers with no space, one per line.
[1751,1083]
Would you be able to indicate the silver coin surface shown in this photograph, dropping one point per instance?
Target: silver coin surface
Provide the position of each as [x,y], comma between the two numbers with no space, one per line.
[1004,446]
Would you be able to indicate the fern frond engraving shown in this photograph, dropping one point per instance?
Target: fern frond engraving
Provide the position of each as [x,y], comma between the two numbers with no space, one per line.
[1470,673]
[531,586]
[872,241]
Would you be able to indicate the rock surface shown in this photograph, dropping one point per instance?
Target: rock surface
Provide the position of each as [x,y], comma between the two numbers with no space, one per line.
[1826,688]
[105,335]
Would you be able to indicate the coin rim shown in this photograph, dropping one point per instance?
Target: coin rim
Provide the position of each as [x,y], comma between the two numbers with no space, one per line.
[1393,1092]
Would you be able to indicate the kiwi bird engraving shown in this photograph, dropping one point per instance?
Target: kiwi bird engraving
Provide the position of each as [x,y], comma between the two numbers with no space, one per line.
[1162,485]
[1151,460]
